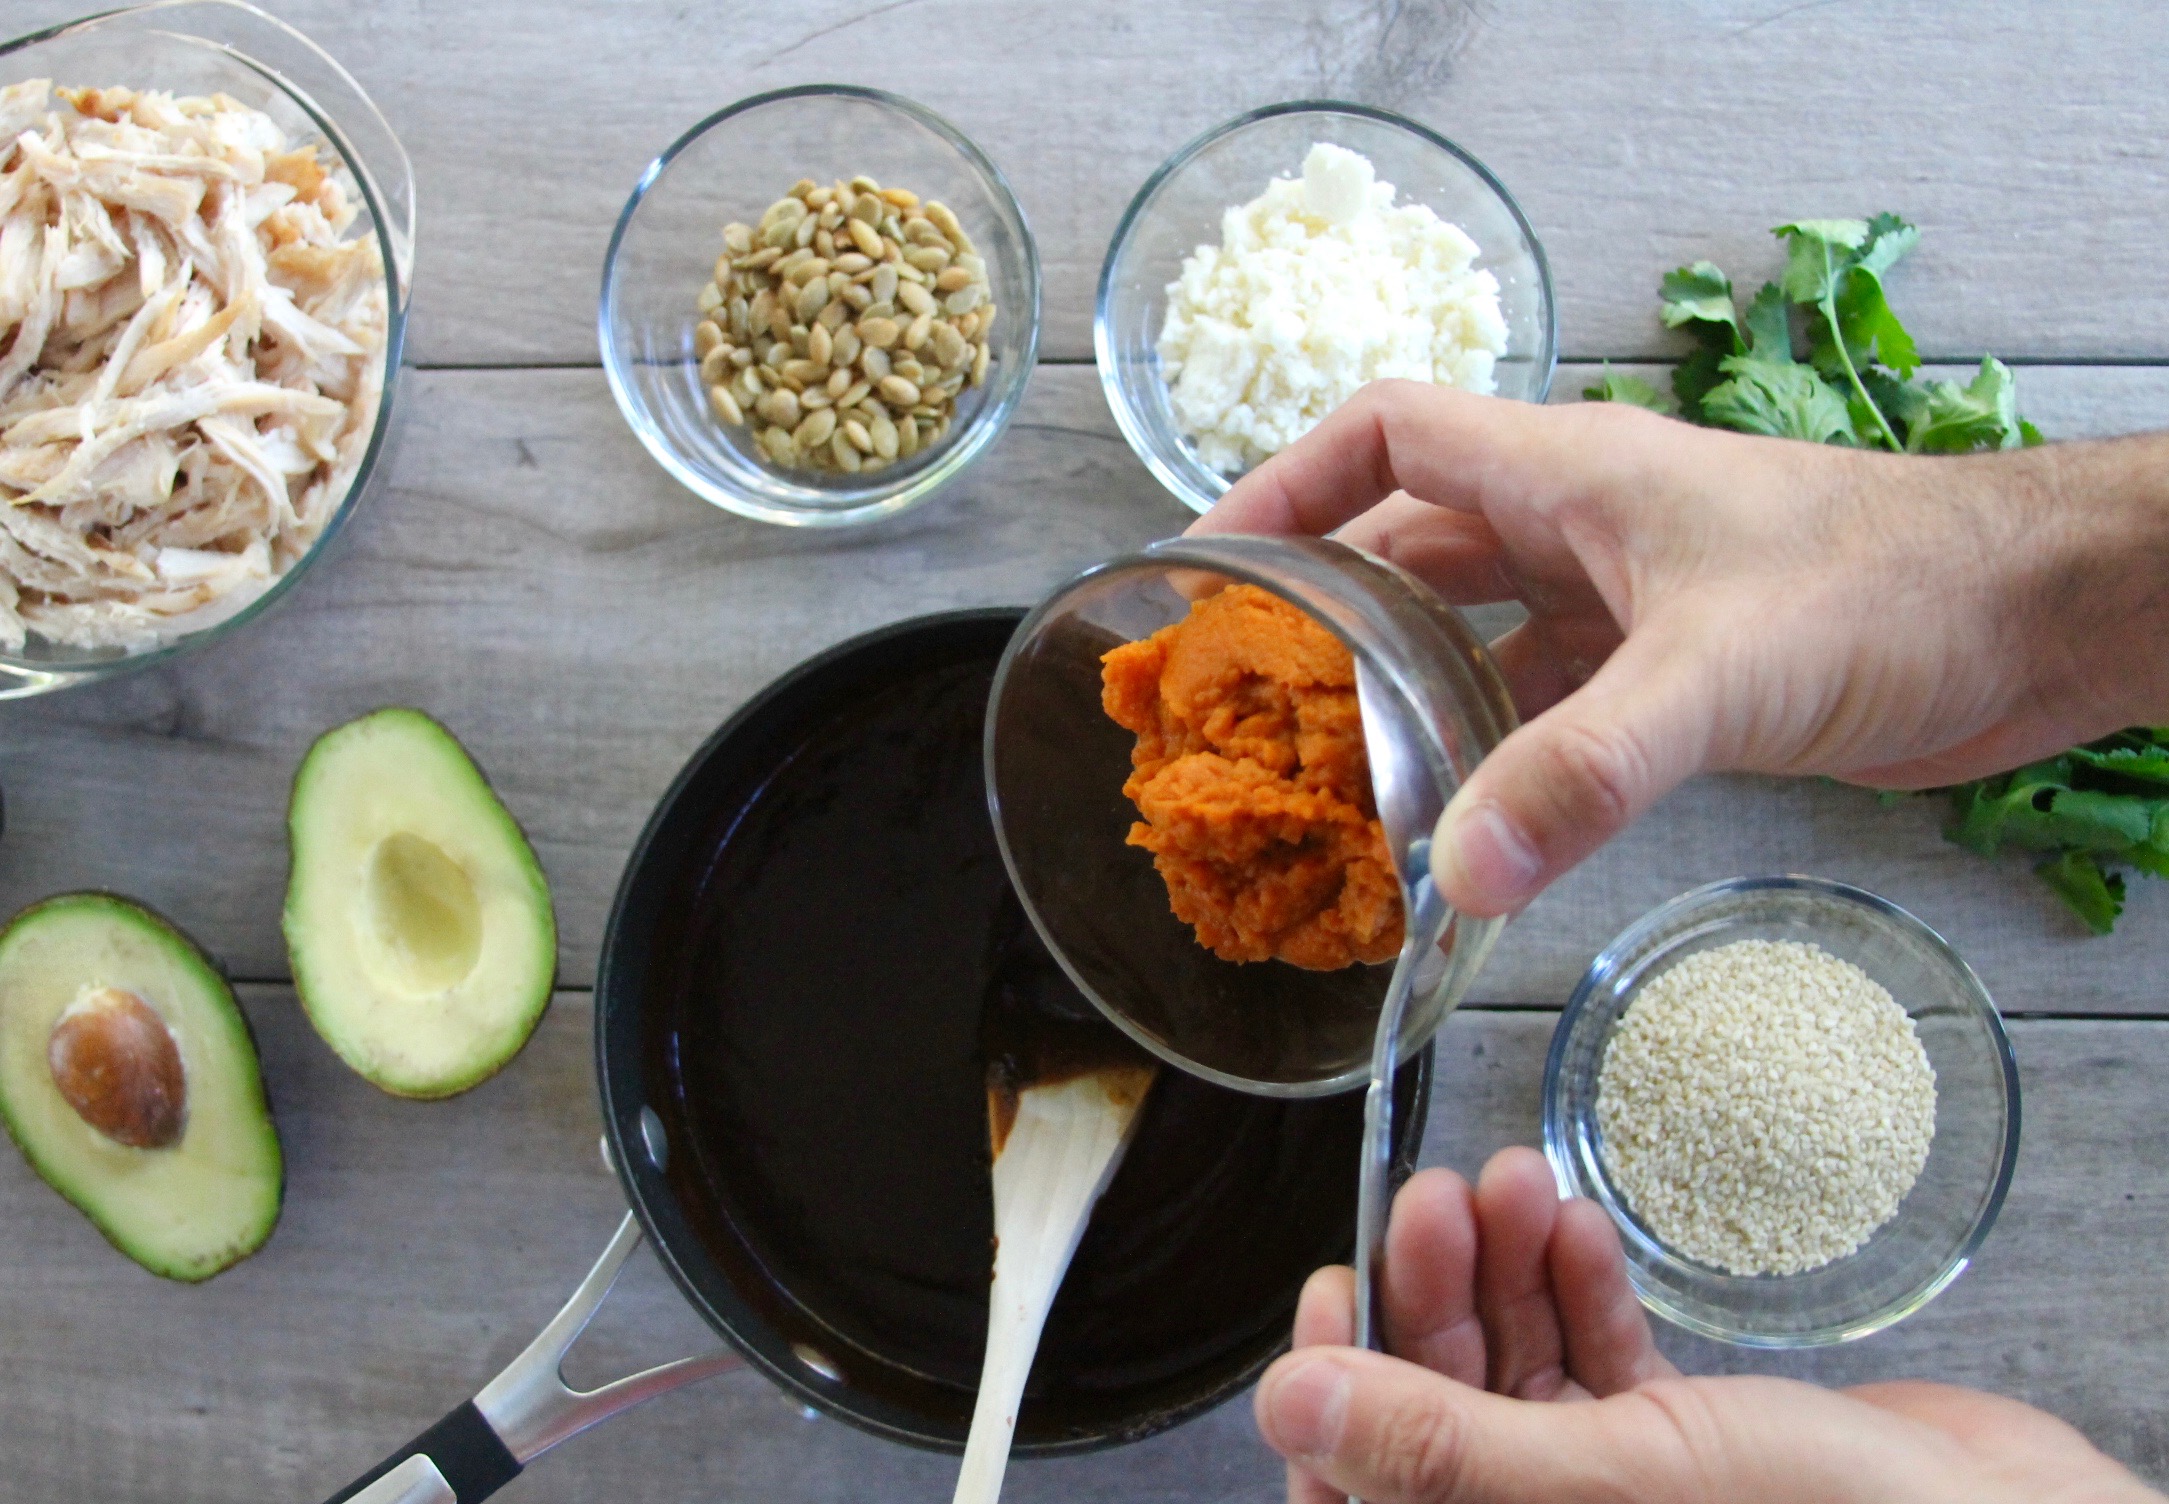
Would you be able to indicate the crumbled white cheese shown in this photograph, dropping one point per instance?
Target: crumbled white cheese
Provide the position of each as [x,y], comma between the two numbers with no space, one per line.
[1319,285]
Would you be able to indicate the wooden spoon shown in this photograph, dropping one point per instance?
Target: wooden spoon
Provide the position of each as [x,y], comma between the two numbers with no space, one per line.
[1057,1143]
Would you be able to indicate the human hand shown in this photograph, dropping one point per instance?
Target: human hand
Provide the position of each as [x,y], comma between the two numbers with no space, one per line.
[1702,600]
[1502,1298]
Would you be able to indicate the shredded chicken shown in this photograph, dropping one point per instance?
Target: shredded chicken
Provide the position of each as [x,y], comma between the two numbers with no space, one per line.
[193,357]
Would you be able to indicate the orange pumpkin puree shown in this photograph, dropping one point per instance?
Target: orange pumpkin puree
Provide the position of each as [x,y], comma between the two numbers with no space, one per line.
[1250,773]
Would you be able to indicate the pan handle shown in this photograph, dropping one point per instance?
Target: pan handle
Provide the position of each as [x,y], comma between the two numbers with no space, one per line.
[527,1409]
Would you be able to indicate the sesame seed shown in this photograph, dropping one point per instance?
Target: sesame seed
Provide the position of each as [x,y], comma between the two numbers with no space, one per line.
[1765,1106]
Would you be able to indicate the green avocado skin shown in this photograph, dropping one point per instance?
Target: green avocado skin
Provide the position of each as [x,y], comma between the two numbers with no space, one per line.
[246,1098]
[318,992]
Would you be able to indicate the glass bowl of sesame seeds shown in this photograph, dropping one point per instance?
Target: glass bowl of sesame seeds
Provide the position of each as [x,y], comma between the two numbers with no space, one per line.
[1797,1104]
[843,403]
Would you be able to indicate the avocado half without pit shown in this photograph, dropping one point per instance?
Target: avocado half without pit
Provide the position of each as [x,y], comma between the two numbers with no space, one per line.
[128,1078]
[418,921]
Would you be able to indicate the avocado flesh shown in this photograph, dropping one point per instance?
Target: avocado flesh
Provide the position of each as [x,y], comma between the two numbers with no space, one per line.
[211,1198]
[417,919]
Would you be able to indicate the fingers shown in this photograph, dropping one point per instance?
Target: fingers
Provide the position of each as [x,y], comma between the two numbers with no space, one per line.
[1431,1253]
[1577,775]
[1609,1347]
[1379,1429]
[1517,1203]
[1325,1313]
[1436,443]
[1455,553]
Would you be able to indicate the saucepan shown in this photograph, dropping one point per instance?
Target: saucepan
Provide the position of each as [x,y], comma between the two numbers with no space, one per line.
[793,1098]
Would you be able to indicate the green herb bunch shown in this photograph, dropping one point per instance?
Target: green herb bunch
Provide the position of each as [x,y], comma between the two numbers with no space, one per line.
[2091,811]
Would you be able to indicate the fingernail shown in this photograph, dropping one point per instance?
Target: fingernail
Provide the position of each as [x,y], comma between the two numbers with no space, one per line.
[1480,851]
[1307,1408]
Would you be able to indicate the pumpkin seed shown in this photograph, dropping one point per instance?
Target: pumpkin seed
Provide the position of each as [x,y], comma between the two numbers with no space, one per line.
[883,435]
[950,347]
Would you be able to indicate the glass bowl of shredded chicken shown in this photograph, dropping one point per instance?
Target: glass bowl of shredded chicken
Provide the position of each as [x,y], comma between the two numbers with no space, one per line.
[206,238]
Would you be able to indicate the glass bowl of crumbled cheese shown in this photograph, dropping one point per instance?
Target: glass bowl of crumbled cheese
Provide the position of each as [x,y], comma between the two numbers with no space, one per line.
[1797,1103]
[1277,263]
[202,349]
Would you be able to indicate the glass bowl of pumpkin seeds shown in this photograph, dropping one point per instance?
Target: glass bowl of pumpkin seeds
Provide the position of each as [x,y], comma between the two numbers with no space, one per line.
[819,306]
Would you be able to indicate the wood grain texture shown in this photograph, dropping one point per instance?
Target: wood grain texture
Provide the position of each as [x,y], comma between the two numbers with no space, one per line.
[2028,145]
[529,576]
[424,1244]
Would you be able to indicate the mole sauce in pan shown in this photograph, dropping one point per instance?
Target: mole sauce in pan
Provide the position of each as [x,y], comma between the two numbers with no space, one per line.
[833,1000]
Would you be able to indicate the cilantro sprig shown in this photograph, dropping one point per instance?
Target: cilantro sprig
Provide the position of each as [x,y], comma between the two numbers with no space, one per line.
[1820,355]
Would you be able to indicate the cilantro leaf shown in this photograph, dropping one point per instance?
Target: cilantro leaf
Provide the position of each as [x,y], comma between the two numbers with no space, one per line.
[1617,386]
[1817,253]
[1822,257]
[2149,764]
[1699,297]
[1954,419]
[1778,397]
[2097,897]
[1692,379]
[1769,325]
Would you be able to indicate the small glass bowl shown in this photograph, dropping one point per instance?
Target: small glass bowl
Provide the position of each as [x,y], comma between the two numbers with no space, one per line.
[732,166]
[1910,1259]
[1180,209]
[225,46]
[1056,766]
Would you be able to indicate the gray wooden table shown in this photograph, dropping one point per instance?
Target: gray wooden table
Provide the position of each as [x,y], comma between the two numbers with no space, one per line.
[529,576]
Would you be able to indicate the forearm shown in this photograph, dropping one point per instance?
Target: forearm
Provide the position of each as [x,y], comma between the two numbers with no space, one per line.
[2089,574]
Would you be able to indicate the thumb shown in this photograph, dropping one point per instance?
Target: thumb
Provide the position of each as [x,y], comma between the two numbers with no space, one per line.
[1389,1432]
[1568,781]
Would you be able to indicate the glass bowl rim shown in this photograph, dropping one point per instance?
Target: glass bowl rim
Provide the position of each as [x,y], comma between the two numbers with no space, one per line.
[1103,355]
[21,676]
[1600,976]
[908,490]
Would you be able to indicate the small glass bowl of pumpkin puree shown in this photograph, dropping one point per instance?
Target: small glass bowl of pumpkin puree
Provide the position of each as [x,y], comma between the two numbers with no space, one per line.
[1177,771]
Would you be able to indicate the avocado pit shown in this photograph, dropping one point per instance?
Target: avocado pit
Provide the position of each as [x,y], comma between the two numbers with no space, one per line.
[115,1062]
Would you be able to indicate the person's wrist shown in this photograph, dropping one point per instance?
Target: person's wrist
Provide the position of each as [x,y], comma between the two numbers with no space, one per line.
[2088,581]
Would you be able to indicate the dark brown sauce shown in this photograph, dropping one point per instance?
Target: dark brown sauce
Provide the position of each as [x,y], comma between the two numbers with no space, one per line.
[853,965]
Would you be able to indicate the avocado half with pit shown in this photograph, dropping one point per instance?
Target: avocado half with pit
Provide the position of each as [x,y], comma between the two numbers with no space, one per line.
[128,1078]
[417,919]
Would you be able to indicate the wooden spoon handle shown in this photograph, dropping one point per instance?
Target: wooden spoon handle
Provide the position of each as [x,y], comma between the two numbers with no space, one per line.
[1061,1152]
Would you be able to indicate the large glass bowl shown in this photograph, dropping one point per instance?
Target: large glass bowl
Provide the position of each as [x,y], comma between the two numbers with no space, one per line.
[225,46]
[732,166]
[1056,765]
[1180,208]
[1909,1260]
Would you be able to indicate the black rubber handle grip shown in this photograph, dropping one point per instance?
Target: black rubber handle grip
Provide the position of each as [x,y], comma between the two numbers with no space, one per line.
[471,1456]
